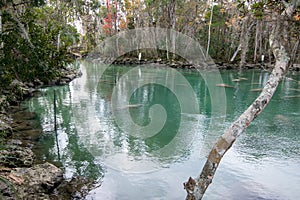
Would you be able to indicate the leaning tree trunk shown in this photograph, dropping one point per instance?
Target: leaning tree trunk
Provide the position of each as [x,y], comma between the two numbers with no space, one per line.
[196,187]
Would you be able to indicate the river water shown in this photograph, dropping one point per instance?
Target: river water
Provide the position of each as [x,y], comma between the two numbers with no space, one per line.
[142,131]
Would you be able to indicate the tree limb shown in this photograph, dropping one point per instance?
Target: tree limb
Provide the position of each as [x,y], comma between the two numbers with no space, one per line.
[196,187]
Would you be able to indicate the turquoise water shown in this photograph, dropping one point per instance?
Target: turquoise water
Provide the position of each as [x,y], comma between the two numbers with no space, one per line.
[141,131]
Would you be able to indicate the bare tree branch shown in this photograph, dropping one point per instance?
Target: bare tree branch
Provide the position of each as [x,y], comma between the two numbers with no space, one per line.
[196,187]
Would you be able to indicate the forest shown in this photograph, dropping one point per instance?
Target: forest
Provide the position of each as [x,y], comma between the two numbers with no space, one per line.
[40,40]
[38,36]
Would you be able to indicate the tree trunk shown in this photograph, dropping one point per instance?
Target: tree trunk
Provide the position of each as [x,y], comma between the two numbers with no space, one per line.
[172,16]
[245,40]
[196,187]
[256,41]
[1,44]
[235,53]
[171,20]
[294,52]
[260,38]
[209,28]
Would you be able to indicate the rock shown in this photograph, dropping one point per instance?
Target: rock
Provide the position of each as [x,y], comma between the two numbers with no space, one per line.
[4,127]
[70,76]
[3,103]
[31,135]
[38,82]
[14,142]
[296,67]
[52,82]
[24,115]
[27,92]
[38,181]
[77,188]
[63,81]
[6,191]
[79,74]
[15,156]
[16,82]
[23,125]
[15,109]
[29,84]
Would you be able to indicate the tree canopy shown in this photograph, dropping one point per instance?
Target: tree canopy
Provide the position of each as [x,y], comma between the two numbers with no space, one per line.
[37,35]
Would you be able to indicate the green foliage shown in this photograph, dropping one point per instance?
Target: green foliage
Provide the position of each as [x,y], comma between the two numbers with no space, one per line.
[218,44]
[242,6]
[130,24]
[36,50]
[37,3]
[218,17]
[258,9]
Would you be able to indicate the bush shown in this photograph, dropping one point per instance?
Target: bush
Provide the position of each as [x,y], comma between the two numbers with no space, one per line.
[35,45]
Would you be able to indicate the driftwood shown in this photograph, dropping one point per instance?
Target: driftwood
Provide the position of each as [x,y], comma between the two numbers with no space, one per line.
[196,187]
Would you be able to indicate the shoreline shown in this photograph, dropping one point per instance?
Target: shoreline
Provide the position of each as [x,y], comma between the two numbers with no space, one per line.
[22,176]
[21,132]
[180,64]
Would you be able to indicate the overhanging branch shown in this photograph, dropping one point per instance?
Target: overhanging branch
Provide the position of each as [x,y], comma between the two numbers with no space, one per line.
[196,187]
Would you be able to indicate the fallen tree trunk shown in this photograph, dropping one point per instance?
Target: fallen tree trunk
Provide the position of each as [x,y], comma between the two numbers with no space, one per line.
[196,187]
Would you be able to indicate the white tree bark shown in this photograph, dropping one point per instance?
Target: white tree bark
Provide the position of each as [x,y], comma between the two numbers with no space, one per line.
[235,53]
[196,187]
[1,44]
[245,40]
[257,30]
[209,27]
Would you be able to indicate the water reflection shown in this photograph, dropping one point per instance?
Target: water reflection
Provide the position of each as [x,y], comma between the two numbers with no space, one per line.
[126,148]
[262,164]
[66,149]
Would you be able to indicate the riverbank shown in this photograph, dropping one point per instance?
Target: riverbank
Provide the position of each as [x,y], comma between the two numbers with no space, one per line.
[20,172]
[182,64]
[22,175]
[90,137]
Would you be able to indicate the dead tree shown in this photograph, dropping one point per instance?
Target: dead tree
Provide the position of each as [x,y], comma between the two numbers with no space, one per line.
[196,187]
